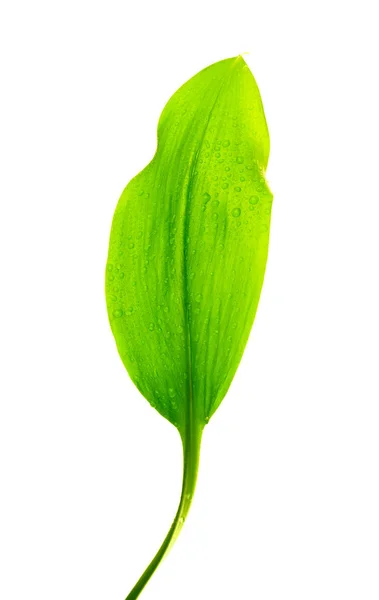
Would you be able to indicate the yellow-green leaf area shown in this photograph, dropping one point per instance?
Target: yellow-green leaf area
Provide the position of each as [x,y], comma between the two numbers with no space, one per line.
[189,244]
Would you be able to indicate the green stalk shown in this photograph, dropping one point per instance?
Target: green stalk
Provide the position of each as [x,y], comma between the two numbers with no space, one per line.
[191,441]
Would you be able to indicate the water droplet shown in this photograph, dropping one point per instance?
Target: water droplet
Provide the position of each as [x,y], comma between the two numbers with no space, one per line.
[151,326]
[121,275]
[117,313]
[240,160]
[180,329]
[225,186]
[237,189]
[181,520]
[206,197]
[218,154]
[207,419]
[130,310]
[109,267]
[226,143]
[131,245]
[198,297]
[254,200]
[171,393]
[215,203]
[236,212]
[215,216]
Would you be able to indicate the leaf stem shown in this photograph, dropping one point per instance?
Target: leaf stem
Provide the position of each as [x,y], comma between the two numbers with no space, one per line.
[191,440]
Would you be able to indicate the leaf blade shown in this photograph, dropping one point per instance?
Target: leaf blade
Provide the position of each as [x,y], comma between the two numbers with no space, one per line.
[187,279]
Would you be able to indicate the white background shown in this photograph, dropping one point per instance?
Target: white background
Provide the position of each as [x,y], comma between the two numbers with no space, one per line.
[288,494]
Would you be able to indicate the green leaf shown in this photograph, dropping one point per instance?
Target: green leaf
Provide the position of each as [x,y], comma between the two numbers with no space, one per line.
[187,256]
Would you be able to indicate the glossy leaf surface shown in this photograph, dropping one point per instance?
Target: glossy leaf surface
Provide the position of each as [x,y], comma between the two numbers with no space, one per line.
[189,244]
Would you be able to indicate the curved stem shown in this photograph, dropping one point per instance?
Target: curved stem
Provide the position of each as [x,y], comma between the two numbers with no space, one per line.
[191,452]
